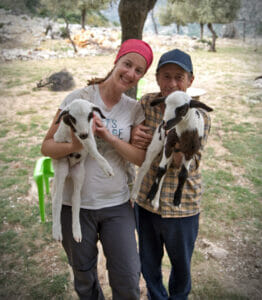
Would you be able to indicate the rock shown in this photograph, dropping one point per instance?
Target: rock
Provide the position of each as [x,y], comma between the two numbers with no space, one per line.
[258,82]
[60,81]
[211,250]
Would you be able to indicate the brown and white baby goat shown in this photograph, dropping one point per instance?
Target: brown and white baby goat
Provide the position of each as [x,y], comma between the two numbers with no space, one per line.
[182,123]
[77,116]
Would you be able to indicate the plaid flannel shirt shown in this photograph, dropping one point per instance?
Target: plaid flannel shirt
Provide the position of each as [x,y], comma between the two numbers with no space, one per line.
[190,202]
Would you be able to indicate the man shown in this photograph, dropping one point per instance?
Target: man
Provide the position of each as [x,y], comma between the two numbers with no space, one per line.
[171,226]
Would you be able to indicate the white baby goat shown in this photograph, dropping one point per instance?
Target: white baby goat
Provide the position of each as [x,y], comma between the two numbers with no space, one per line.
[77,116]
[182,123]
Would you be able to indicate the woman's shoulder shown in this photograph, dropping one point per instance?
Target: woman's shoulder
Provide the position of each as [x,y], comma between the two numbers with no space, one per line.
[128,101]
[86,93]
[128,98]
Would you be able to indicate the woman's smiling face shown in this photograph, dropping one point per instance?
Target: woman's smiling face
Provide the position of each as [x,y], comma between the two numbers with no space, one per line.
[128,70]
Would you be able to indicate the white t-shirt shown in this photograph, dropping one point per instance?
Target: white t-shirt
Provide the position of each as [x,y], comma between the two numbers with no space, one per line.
[99,190]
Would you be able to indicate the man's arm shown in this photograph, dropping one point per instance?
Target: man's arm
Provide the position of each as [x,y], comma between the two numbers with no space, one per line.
[141,136]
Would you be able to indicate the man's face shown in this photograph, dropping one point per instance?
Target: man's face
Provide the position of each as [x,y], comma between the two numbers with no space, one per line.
[172,77]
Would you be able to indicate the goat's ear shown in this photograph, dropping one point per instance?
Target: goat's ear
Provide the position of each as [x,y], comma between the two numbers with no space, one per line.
[196,103]
[69,121]
[97,109]
[158,101]
[63,113]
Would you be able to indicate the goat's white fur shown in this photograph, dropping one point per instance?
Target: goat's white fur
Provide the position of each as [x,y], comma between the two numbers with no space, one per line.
[191,121]
[72,166]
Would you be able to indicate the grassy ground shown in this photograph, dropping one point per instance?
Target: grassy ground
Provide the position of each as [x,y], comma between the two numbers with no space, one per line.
[35,267]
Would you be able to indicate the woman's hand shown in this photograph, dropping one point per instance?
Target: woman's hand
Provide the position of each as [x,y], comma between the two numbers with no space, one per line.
[75,144]
[100,130]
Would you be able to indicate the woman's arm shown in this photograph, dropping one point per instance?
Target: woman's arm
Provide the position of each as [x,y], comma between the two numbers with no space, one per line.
[126,150]
[58,150]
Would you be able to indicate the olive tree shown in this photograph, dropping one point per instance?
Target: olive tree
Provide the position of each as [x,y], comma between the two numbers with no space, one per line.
[85,5]
[133,14]
[173,13]
[203,12]
[218,12]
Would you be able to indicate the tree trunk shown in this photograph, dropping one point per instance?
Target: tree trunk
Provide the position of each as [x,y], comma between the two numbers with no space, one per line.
[83,18]
[201,31]
[132,14]
[244,31]
[214,37]
[154,21]
[178,28]
[69,35]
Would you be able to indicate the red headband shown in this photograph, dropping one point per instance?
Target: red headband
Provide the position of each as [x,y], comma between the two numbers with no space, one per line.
[137,46]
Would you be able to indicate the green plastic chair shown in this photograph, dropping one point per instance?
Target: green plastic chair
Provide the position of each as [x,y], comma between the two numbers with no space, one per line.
[42,172]
[140,86]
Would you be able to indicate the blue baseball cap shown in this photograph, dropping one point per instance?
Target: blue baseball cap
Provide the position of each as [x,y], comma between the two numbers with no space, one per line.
[178,57]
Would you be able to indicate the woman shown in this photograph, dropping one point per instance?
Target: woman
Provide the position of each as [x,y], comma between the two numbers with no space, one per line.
[106,213]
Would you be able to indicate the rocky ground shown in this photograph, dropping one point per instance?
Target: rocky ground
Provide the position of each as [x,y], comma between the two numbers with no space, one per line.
[24,38]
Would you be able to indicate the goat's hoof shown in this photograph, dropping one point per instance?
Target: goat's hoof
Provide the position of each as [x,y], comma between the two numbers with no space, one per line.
[77,235]
[155,205]
[109,172]
[57,235]
[78,239]
[134,192]
[177,198]
[133,196]
[177,202]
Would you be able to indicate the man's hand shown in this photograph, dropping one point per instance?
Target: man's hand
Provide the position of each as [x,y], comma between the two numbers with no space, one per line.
[141,136]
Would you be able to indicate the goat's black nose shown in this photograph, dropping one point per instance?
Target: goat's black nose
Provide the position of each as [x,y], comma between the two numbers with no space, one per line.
[83,136]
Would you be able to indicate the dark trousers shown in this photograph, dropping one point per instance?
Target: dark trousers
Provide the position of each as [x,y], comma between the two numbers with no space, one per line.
[178,235]
[115,227]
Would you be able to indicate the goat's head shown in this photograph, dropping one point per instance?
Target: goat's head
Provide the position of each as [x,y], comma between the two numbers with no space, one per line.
[78,116]
[177,105]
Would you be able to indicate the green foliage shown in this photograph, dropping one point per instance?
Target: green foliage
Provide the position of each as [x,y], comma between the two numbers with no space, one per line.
[22,6]
[172,14]
[32,5]
[73,18]
[259,28]
[92,5]
[96,19]
[63,32]
[219,12]
[201,11]
[65,9]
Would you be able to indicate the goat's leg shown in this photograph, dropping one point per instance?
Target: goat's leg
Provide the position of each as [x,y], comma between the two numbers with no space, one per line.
[154,193]
[61,169]
[153,150]
[77,175]
[102,162]
[90,145]
[167,157]
[182,177]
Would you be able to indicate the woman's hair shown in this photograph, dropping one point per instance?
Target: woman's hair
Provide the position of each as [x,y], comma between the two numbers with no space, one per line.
[97,80]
